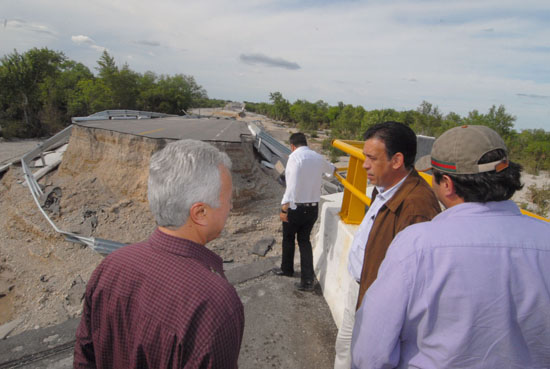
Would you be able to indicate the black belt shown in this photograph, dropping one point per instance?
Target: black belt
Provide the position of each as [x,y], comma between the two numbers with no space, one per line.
[306,204]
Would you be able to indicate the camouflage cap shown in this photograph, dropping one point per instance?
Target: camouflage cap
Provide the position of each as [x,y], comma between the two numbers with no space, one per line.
[458,151]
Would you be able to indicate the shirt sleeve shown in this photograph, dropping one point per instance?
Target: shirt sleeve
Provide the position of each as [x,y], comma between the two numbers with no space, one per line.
[291,173]
[379,320]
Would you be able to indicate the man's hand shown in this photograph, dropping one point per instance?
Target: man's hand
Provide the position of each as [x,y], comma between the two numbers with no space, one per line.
[283,214]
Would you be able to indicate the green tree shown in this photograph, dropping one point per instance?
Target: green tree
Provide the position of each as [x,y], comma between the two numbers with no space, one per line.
[146,86]
[170,94]
[281,106]
[21,78]
[56,92]
[334,111]
[309,116]
[377,116]
[428,119]
[496,118]
[107,67]
[123,83]
[90,96]
[500,121]
[348,123]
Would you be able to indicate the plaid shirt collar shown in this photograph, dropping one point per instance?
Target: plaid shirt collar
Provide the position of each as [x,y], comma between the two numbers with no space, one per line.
[162,242]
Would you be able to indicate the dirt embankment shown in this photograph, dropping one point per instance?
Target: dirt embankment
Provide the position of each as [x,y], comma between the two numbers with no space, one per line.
[103,182]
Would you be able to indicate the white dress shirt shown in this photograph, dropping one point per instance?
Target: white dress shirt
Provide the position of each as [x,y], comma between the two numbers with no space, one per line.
[357,251]
[303,173]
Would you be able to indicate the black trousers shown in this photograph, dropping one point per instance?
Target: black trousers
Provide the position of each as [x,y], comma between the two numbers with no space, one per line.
[299,225]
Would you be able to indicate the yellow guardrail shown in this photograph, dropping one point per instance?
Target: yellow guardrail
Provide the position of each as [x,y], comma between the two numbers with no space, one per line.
[355,183]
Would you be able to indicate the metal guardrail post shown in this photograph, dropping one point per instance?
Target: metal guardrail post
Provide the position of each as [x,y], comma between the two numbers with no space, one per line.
[355,183]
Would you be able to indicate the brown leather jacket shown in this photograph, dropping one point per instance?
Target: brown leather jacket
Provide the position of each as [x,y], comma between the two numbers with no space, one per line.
[414,202]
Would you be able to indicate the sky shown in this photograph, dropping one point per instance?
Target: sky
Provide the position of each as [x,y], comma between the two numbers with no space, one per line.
[458,55]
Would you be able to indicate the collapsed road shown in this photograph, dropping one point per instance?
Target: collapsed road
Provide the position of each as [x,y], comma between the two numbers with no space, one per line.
[102,179]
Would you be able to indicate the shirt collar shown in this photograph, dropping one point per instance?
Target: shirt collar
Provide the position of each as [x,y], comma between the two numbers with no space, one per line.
[185,248]
[301,148]
[479,209]
[387,194]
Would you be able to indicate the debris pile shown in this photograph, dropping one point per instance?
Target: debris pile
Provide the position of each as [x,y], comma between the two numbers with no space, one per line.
[99,190]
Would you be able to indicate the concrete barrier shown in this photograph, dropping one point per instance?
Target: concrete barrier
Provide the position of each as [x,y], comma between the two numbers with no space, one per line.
[330,253]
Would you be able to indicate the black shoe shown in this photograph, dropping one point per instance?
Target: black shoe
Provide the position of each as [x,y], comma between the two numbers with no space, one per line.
[304,286]
[282,273]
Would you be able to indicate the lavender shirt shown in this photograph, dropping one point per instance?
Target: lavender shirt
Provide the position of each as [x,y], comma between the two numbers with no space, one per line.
[470,289]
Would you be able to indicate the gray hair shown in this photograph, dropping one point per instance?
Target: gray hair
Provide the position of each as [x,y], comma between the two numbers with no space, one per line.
[183,173]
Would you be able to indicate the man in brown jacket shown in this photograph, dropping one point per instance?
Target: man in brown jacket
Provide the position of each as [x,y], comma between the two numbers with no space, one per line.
[400,198]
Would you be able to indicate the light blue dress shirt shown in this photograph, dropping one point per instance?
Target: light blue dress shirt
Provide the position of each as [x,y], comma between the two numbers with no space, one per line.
[470,289]
[357,250]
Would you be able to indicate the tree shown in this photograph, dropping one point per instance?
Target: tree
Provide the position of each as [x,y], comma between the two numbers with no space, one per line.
[21,78]
[496,119]
[348,123]
[428,120]
[378,116]
[107,67]
[90,96]
[500,121]
[56,92]
[172,95]
[281,106]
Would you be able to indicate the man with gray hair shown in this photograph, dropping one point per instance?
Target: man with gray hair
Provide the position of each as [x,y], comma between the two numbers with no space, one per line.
[165,302]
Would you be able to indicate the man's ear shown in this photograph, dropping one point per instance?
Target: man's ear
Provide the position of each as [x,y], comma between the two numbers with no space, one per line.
[447,185]
[397,160]
[197,213]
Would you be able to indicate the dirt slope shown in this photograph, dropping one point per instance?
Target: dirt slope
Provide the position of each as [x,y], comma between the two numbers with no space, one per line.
[103,181]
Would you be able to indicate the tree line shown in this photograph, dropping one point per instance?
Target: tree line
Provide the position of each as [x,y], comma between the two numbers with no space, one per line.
[530,147]
[42,89]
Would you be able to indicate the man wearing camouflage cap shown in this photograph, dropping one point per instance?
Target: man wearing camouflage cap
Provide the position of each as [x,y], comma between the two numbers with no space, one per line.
[471,288]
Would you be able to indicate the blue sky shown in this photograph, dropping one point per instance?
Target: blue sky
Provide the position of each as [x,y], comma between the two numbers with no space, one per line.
[458,55]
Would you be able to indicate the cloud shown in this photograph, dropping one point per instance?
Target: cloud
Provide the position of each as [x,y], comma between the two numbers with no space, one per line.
[33,27]
[533,96]
[99,48]
[81,39]
[254,59]
[85,40]
[148,43]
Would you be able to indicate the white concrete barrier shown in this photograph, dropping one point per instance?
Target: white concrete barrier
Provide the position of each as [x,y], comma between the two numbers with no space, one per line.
[330,253]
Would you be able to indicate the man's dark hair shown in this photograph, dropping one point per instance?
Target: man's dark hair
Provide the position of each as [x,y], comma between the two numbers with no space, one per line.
[298,139]
[397,137]
[486,186]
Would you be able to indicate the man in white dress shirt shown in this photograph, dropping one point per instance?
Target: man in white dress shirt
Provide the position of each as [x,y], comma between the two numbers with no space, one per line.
[299,207]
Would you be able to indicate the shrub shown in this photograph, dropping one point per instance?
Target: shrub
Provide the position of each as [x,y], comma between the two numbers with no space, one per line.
[540,197]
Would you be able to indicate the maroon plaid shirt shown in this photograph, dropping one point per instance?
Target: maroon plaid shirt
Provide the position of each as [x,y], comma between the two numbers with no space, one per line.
[162,303]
